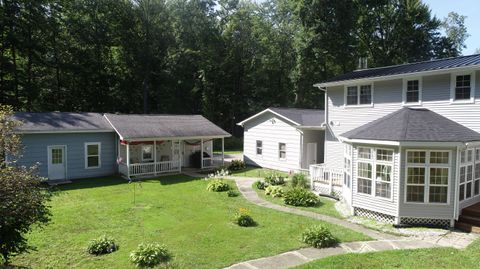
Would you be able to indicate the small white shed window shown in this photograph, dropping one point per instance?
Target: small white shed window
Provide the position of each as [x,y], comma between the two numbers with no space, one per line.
[147,153]
[428,176]
[259,147]
[92,155]
[462,88]
[282,151]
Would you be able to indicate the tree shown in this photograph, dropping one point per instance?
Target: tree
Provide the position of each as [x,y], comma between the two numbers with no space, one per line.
[454,25]
[22,198]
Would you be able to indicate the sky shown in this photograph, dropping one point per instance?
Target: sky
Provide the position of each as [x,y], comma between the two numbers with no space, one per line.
[469,8]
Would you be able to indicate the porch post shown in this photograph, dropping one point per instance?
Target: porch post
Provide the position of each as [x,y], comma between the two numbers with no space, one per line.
[223,151]
[179,156]
[119,144]
[155,157]
[201,153]
[128,160]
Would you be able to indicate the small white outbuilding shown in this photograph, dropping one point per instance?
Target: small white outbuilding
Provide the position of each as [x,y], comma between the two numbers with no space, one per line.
[286,139]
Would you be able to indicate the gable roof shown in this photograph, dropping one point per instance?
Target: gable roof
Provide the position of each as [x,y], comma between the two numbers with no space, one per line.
[61,122]
[410,68]
[297,116]
[415,125]
[164,126]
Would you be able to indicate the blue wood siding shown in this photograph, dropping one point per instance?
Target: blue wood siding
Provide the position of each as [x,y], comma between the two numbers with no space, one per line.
[36,151]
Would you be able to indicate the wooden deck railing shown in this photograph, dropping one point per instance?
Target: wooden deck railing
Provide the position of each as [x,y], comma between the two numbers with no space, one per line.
[325,175]
[146,169]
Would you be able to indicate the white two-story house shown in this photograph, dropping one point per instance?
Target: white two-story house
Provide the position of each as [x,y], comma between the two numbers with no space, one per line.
[407,138]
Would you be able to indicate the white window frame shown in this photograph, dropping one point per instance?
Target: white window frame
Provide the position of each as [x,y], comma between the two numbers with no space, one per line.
[465,164]
[347,178]
[99,154]
[427,165]
[453,82]
[373,162]
[257,147]
[147,159]
[358,86]
[404,91]
[281,151]
[476,177]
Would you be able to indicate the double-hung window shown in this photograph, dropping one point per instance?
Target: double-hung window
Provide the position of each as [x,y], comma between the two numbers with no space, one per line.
[476,185]
[92,155]
[147,153]
[462,87]
[412,91]
[282,151]
[347,177]
[428,176]
[259,145]
[466,174]
[375,172]
[358,95]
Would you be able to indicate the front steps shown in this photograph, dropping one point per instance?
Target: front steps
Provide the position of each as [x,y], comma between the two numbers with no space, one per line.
[469,220]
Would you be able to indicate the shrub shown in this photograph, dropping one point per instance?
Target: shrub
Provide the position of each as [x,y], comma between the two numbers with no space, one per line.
[236,165]
[300,197]
[275,180]
[243,218]
[218,173]
[217,185]
[150,255]
[232,193]
[299,181]
[260,184]
[318,236]
[102,245]
[274,191]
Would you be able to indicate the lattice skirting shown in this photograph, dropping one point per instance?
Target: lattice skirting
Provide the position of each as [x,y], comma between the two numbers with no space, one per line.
[425,222]
[374,215]
[325,189]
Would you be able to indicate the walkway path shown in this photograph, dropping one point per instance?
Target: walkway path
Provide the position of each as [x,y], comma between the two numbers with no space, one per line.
[304,255]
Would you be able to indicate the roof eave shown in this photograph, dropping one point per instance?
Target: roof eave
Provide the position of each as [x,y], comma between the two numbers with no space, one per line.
[422,144]
[63,131]
[242,123]
[175,137]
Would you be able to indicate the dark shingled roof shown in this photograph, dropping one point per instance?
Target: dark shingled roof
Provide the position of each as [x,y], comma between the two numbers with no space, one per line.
[410,124]
[304,117]
[61,121]
[151,126]
[432,65]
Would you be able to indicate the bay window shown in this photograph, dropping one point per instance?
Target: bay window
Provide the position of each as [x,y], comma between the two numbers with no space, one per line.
[469,173]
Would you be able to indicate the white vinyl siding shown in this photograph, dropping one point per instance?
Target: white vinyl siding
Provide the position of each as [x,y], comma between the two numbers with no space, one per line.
[272,130]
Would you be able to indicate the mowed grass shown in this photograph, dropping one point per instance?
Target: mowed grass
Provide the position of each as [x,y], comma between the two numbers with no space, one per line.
[196,225]
[326,206]
[259,172]
[415,259]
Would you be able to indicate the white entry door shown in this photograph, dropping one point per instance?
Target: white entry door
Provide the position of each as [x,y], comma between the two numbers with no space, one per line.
[56,162]
[311,153]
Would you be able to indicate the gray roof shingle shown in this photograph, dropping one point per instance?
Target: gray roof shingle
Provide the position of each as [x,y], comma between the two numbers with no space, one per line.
[151,126]
[304,117]
[61,122]
[413,124]
[461,61]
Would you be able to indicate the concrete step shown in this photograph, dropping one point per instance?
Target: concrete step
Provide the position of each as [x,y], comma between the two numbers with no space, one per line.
[469,219]
[467,227]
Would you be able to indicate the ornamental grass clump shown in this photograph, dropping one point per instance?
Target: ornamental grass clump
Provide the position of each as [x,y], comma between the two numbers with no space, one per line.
[102,245]
[300,197]
[217,185]
[150,255]
[299,181]
[243,218]
[318,236]
[274,191]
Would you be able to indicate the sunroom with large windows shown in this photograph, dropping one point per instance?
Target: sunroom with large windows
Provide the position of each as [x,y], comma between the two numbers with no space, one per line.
[404,174]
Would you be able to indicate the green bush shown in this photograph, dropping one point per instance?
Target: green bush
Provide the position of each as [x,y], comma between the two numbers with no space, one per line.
[232,193]
[217,185]
[300,197]
[275,180]
[102,245]
[243,218]
[260,184]
[299,180]
[274,191]
[150,255]
[318,236]
[236,165]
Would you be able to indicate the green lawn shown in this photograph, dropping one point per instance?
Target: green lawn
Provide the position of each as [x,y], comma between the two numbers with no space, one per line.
[176,210]
[326,207]
[419,258]
[252,171]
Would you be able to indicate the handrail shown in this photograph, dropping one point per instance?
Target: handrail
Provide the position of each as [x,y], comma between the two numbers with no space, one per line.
[326,175]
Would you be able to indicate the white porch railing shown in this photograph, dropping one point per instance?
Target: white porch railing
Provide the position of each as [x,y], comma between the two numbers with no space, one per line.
[210,162]
[144,169]
[325,175]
